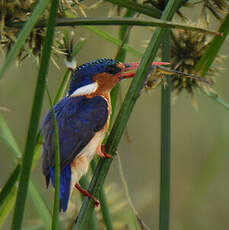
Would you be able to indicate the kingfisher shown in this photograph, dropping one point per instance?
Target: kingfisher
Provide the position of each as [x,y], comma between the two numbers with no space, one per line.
[83,119]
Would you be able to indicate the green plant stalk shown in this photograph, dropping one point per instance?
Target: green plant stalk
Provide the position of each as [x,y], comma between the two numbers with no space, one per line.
[7,206]
[207,59]
[121,57]
[165,175]
[34,121]
[116,21]
[123,32]
[110,38]
[68,75]
[80,44]
[215,97]
[140,8]
[4,195]
[38,10]
[105,210]
[63,86]
[41,226]
[93,223]
[30,53]
[103,202]
[56,205]
[114,40]
[123,116]
[41,208]
[9,185]
[114,96]
[8,138]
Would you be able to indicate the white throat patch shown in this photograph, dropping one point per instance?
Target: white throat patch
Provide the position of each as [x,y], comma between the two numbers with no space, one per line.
[85,90]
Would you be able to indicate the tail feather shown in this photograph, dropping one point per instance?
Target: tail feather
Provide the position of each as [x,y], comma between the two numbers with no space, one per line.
[65,185]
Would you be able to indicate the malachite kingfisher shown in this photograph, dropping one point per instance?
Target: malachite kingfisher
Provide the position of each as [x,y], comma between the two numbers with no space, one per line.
[83,119]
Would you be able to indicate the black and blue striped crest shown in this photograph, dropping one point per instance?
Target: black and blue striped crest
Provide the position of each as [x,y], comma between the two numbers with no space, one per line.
[83,75]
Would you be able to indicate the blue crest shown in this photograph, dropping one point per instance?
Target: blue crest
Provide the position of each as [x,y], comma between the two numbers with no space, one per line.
[83,75]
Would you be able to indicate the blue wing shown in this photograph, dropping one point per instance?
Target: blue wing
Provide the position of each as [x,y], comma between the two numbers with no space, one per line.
[78,120]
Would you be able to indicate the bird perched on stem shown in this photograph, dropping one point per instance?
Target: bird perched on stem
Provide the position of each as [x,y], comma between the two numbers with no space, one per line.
[83,119]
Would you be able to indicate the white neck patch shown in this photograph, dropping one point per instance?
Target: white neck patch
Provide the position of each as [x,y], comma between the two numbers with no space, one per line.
[85,90]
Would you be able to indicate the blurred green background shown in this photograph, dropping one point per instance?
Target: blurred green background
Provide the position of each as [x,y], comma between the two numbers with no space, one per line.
[200,146]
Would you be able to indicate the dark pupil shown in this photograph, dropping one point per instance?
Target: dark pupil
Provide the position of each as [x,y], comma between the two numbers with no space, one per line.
[112,69]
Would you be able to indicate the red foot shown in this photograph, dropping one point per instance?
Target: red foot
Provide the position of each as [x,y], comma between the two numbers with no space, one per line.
[86,193]
[103,152]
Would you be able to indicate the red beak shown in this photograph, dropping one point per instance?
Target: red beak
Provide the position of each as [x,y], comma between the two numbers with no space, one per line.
[131,68]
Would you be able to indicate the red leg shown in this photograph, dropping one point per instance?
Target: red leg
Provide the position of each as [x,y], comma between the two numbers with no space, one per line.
[86,193]
[103,152]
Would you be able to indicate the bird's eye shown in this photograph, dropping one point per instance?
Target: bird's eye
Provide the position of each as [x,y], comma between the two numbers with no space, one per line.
[112,69]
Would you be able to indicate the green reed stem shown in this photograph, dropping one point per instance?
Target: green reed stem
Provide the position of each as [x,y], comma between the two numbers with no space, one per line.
[123,116]
[6,195]
[103,202]
[56,205]
[7,137]
[93,223]
[9,184]
[164,216]
[121,54]
[116,21]
[105,210]
[34,121]
[140,8]
[63,86]
[7,205]
[208,58]
[40,206]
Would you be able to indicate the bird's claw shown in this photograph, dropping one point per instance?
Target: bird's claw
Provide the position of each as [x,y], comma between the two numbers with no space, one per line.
[86,193]
[103,153]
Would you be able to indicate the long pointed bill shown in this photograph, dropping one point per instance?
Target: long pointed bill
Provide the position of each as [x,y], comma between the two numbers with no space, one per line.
[131,68]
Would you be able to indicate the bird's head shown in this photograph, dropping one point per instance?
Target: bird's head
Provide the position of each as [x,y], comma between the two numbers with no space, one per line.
[99,76]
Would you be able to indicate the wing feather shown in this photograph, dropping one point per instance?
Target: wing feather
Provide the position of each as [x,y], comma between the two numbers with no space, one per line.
[78,120]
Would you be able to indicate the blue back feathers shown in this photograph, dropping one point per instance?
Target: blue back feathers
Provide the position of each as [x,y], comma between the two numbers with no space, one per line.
[83,75]
[65,185]
[78,118]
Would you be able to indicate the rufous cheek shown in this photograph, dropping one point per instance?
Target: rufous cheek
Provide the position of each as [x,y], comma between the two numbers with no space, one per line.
[106,81]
